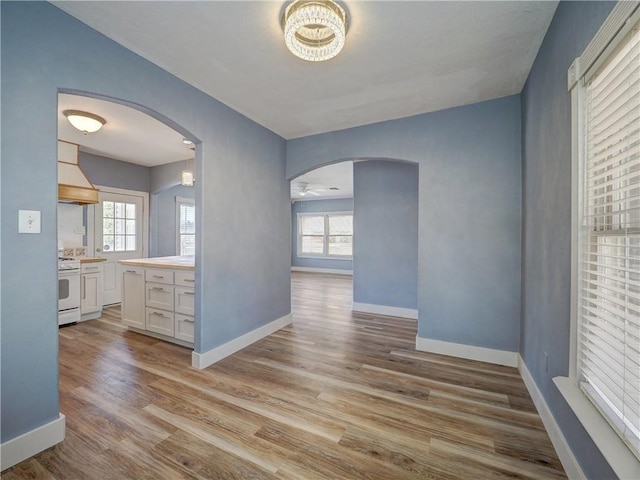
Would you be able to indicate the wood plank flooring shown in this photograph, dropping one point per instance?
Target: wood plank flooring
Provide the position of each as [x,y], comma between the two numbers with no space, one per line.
[335,395]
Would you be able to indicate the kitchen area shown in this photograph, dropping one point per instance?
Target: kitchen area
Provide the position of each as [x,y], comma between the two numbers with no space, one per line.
[126,220]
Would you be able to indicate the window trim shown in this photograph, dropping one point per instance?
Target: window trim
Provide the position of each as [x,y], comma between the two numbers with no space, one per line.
[617,25]
[326,255]
[180,201]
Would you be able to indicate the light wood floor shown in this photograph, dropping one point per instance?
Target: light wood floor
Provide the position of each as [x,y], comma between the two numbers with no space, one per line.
[333,396]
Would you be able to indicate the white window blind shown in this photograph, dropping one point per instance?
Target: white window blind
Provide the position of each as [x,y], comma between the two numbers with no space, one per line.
[186,216]
[609,292]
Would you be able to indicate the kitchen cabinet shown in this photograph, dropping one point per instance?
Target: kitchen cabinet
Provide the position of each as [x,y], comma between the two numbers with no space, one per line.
[161,297]
[91,278]
[133,295]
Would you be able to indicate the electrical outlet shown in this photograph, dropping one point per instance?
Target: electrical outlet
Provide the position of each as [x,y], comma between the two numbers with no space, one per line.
[546,362]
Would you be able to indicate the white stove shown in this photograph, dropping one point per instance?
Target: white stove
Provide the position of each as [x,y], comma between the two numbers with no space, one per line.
[68,290]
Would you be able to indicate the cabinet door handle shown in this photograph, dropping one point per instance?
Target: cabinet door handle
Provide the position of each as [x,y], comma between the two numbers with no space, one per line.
[158,276]
[157,314]
[158,288]
[188,320]
[84,287]
[130,271]
[190,280]
[188,293]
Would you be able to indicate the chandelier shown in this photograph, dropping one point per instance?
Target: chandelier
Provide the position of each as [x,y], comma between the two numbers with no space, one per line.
[314,30]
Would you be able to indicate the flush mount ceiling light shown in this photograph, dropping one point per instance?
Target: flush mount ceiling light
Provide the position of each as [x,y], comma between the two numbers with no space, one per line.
[84,121]
[314,30]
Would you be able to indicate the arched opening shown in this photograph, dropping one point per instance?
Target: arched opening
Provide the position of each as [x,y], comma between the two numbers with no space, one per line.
[383,206]
[142,212]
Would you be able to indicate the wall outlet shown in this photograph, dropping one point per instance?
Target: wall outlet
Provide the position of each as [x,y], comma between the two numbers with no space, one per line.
[546,362]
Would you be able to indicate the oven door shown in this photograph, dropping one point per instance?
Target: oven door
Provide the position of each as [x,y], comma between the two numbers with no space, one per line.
[68,289]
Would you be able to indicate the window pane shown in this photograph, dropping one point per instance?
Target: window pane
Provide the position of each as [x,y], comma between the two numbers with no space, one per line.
[131,243]
[187,218]
[131,227]
[340,245]
[187,244]
[340,224]
[108,243]
[312,225]
[107,209]
[107,226]
[120,210]
[119,226]
[120,244]
[312,245]
[131,211]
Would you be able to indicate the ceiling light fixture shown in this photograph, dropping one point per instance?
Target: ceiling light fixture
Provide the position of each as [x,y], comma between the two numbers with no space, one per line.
[314,30]
[84,121]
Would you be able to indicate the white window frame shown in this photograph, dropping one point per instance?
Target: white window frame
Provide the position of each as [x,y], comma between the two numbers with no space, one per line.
[325,242]
[180,201]
[619,456]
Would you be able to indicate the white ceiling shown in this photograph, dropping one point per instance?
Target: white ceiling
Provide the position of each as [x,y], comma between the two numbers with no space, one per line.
[401,58]
[128,135]
[332,181]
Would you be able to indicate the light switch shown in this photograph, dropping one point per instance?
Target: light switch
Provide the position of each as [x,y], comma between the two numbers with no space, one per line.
[28,221]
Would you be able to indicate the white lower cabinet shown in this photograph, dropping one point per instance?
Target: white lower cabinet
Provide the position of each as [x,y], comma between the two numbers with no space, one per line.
[91,278]
[159,296]
[184,300]
[159,302]
[132,309]
[184,327]
[160,321]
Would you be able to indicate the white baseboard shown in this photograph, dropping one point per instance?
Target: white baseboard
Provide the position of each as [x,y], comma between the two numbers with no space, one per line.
[470,352]
[203,360]
[30,443]
[385,310]
[568,460]
[333,271]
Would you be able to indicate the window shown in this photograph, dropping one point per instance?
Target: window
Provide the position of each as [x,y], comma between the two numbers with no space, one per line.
[185,226]
[609,264]
[118,226]
[605,89]
[325,235]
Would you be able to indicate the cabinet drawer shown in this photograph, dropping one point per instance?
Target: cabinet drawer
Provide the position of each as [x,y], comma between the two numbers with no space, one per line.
[184,300]
[184,327]
[158,275]
[160,321]
[185,278]
[159,295]
[91,268]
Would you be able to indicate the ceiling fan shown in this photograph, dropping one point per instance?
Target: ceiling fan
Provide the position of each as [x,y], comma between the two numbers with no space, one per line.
[303,189]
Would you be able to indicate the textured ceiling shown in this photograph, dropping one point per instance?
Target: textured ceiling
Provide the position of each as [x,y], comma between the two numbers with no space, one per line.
[400,58]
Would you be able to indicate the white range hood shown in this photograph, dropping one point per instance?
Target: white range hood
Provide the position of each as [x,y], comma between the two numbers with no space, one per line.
[73,184]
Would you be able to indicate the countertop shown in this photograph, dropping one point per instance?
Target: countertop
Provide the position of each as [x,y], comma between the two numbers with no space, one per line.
[177,262]
[91,259]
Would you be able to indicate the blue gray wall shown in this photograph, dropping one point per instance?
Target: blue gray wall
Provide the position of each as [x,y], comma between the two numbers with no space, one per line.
[469,220]
[546,246]
[242,250]
[385,252]
[162,220]
[324,206]
[109,172]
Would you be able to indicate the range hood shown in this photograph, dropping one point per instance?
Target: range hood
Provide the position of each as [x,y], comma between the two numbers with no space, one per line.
[73,184]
